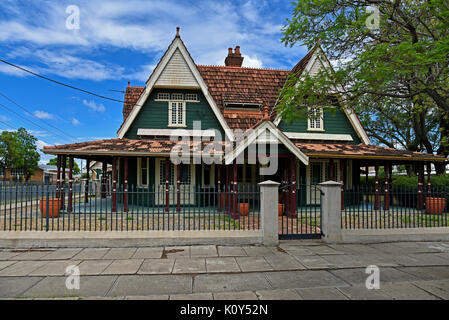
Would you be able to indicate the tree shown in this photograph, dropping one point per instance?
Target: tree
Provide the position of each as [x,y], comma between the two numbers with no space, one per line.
[404,61]
[54,162]
[18,150]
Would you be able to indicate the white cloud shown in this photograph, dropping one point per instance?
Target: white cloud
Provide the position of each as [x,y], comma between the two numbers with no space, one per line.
[252,62]
[94,106]
[75,121]
[43,115]
[4,118]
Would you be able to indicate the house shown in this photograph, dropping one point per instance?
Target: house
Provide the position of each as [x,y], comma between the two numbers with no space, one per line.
[45,174]
[229,112]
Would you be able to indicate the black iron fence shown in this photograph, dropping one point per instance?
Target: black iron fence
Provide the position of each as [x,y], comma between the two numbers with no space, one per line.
[366,207]
[129,208]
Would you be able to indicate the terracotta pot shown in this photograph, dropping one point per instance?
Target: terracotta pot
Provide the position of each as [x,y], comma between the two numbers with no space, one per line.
[243,209]
[54,206]
[435,205]
[280,209]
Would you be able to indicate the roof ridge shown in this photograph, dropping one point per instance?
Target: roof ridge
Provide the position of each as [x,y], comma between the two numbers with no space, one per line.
[231,67]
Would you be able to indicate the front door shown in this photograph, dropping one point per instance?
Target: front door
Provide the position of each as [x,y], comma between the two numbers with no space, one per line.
[186,187]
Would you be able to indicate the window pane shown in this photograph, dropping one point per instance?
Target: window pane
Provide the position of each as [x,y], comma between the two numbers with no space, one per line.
[163,96]
[180,109]
[191,97]
[177,96]
[173,113]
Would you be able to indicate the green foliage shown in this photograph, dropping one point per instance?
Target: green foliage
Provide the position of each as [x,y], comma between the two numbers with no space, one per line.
[409,181]
[75,169]
[18,150]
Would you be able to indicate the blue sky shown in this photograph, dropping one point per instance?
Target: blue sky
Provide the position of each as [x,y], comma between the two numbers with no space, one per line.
[117,42]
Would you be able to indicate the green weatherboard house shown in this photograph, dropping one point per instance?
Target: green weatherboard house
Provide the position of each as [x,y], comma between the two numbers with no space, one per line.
[229,101]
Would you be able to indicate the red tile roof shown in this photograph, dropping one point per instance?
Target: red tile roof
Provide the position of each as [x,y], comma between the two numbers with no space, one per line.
[132,94]
[361,150]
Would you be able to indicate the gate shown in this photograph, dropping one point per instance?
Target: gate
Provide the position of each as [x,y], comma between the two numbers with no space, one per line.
[299,211]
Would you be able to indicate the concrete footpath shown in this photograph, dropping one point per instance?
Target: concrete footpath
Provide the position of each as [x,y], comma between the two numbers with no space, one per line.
[294,270]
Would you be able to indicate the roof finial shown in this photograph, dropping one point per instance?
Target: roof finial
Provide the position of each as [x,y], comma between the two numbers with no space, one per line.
[177,32]
[129,82]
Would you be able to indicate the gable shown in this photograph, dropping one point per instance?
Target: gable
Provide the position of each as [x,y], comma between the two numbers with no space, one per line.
[177,73]
[154,114]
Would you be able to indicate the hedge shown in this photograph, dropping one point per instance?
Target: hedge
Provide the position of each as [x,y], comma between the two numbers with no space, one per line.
[410,181]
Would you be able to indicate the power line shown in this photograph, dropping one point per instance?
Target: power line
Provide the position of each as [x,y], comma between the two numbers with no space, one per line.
[8,125]
[23,108]
[37,125]
[60,83]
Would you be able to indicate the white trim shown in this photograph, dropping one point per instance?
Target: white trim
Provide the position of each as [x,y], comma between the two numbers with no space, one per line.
[352,117]
[318,136]
[139,172]
[261,129]
[174,132]
[176,44]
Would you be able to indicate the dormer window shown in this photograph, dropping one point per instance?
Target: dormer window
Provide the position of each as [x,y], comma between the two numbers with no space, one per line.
[191,97]
[163,96]
[177,114]
[177,96]
[315,119]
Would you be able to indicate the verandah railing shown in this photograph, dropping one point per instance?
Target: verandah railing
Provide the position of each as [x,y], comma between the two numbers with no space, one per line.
[29,208]
[395,207]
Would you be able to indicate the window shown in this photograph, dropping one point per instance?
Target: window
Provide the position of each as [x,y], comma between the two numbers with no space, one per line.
[163,96]
[176,114]
[177,96]
[191,97]
[185,173]
[17,172]
[315,120]
[171,173]
[143,164]
[208,175]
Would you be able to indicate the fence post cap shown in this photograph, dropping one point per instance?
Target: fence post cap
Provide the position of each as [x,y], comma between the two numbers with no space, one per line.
[330,183]
[269,183]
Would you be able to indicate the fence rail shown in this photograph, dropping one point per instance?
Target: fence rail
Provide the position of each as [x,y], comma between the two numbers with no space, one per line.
[395,207]
[130,208]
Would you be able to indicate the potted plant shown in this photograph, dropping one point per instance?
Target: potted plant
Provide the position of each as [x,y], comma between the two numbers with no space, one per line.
[435,205]
[54,206]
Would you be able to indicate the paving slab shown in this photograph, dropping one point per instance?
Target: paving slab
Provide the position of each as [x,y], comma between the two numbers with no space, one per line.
[297,251]
[242,295]
[389,248]
[278,294]
[230,282]
[119,253]
[192,296]
[256,251]
[324,250]
[61,254]
[4,264]
[156,266]
[225,251]
[93,267]
[321,294]
[33,255]
[362,293]
[21,268]
[148,253]
[303,279]
[203,251]
[54,287]
[420,259]
[144,285]
[91,254]
[358,249]
[380,260]
[186,265]
[174,252]
[344,261]
[248,264]
[152,297]
[406,291]
[7,255]
[439,288]
[13,287]
[54,268]
[224,264]
[313,262]
[129,266]
[387,275]
[284,262]
[421,247]
[427,273]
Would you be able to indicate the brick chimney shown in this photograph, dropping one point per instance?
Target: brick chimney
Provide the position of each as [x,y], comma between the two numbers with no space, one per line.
[234,59]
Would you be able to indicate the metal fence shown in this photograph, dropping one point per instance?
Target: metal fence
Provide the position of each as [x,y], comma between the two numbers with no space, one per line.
[395,207]
[130,208]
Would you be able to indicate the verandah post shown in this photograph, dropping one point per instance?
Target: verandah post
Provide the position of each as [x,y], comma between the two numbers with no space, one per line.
[178,184]
[420,185]
[219,187]
[293,203]
[86,187]
[125,186]
[387,194]
[342,176]
[331,169]
[114,184]
[167,194]
[376,201]
[235,214]
[58,175]
[104,179]
[429,184]
[62,182]
[70,183]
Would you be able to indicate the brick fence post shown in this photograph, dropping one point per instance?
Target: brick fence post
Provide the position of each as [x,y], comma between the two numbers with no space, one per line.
[269,212]
[331,211]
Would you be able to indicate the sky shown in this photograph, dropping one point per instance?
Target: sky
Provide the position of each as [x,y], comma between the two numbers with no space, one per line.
[115,42]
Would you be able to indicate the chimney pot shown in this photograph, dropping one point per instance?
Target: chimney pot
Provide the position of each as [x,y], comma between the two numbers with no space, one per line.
[234,59]
[237,50]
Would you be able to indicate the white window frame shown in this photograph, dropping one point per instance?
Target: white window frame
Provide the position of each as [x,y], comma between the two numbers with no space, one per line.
[311,123]
[194,97]
[170,114]
[158,98]
[176,96]
[139,172]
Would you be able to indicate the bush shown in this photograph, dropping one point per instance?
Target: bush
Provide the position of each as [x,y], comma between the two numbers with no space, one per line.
[410,181]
